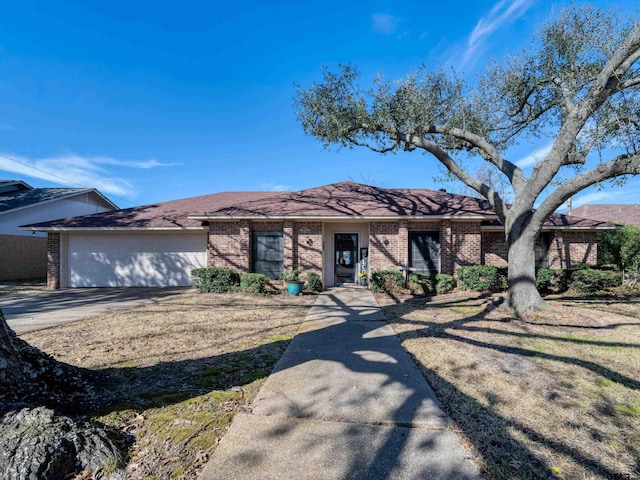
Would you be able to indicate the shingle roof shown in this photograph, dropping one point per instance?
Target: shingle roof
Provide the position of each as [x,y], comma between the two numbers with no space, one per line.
[172,214]
[349,199]
[345,200]
[620,213]
[23,198]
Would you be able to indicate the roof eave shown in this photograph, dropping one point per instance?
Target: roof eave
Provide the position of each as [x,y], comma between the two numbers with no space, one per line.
[110,229]
[489,228]
[63,197]
[220,218]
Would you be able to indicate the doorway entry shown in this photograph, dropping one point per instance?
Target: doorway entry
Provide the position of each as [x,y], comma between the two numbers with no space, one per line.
[346,257]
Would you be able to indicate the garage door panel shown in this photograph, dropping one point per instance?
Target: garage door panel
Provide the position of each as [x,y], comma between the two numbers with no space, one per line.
[130,260]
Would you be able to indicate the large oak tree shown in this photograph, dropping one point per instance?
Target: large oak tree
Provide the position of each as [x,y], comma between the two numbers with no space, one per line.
[577,86]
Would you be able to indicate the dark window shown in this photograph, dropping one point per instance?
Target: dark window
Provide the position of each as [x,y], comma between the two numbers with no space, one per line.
[268,253]
[424,252]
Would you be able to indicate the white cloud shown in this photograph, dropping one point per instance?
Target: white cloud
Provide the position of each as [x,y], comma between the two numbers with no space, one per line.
[274,187]
[600,196]
[534,157]
[75,171]
[144,164]
[384,23]
[503,12]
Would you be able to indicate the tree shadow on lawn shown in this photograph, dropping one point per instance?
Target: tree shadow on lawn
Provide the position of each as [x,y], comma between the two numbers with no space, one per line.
[168,383]
[489,431]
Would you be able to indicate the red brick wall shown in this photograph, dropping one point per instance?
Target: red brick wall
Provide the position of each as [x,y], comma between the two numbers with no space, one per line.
[53,260]
[381,256]
[570,248]
[22,257]
[494,249]
[466,241]
[229,246]
[307,247]
[460,244]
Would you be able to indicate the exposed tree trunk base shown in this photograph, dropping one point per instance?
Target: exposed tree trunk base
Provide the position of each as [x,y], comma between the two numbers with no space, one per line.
[39,444]
[531,307]
[28,375]
[35,441]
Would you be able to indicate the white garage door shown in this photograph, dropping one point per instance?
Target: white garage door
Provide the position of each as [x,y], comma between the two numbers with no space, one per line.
[134,259]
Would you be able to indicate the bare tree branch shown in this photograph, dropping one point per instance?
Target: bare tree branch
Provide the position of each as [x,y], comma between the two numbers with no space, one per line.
[621,165]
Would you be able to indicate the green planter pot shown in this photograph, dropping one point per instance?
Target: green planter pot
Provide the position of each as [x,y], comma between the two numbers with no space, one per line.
[295,287]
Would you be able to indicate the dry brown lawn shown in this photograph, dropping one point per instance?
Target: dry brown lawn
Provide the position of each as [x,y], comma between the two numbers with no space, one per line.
[176,372]
[553,396]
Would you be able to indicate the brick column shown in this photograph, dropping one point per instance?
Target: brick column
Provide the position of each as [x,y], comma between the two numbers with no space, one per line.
[446,248]
[244,240]
[403,242]
[289,258]
[53,260]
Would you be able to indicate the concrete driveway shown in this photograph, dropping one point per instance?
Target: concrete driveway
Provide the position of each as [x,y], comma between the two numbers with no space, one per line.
[38,310]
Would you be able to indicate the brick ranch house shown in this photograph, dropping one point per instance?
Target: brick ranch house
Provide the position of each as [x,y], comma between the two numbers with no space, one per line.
[337,230]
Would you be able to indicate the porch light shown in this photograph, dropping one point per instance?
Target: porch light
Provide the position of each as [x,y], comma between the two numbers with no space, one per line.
[385,241]
[309,241]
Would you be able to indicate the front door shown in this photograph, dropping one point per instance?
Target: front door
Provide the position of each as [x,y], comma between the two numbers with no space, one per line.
[346,257]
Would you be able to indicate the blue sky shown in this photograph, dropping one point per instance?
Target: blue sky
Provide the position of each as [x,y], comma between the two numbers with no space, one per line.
[153,101]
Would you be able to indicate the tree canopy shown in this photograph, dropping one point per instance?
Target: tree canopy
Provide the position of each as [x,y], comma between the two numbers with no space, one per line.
[577,86]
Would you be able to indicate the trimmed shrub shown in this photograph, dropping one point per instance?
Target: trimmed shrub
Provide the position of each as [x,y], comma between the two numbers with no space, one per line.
[444,283]
[387,281]
[314,284]
[593,281]
[421,284]
[544,278]
[254,283]
[580,266]
[478,278]
[503,278]
[217,280]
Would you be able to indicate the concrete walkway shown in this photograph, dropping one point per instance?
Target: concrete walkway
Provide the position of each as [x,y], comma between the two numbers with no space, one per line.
[345,402]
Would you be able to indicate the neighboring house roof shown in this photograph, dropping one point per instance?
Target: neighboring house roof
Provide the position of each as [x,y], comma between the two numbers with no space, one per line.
[11,185]
[340,200]
[16,194]
[620,213]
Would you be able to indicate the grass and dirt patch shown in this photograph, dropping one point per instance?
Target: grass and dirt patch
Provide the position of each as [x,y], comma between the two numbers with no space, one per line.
[20,287]
[175,372]
[555,395]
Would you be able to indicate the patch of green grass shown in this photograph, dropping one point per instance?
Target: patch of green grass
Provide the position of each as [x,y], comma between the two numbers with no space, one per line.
[159,398]
[605,382]
[109,467]
[280,338]
[632,410]
[177,472]
[127,364]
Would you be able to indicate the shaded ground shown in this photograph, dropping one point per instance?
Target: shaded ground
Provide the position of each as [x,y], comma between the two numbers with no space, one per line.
[13,287]
[556,395]
[176,372]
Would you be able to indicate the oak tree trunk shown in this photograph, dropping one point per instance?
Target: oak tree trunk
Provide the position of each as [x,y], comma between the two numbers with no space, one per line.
[523,293]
